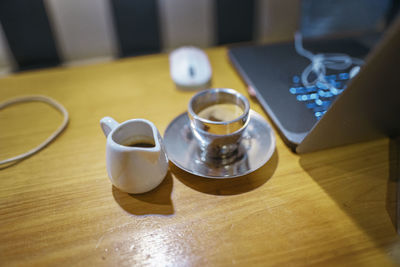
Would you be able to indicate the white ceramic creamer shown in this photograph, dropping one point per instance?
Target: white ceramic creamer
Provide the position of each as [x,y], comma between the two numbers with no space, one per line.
[135,155]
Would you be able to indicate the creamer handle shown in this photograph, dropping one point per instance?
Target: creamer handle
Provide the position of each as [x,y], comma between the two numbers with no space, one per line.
[108,124]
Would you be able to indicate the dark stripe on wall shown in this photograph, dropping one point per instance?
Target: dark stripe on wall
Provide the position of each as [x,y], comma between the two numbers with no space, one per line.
[392,12]
[235,20]
[28,33]
[137,26]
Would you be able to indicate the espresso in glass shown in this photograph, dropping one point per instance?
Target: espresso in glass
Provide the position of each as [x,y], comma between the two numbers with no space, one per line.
[221,112]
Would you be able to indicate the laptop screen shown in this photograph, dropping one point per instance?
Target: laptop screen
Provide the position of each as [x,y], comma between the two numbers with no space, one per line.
[333,17]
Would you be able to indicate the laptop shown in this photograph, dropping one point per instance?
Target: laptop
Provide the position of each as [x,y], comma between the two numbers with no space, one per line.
[367,108]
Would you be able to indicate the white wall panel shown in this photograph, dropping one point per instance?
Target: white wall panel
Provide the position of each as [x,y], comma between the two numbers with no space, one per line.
[186,23]
[276,20]
[6,59]
[83,29]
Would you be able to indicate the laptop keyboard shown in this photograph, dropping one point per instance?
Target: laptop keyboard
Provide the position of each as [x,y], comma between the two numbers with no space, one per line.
[319,97]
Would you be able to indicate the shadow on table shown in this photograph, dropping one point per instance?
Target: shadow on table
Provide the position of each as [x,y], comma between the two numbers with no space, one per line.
[157,201]
[228,186]
[356,184]
[16,162]
[9,165]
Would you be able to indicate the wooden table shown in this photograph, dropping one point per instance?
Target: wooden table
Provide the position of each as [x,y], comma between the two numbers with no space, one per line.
[59,208]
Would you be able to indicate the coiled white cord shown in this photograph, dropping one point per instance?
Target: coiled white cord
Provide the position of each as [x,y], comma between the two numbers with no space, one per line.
[320,62]
[37,98]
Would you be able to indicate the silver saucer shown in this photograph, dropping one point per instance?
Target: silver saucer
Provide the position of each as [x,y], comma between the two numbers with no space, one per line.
[256,148]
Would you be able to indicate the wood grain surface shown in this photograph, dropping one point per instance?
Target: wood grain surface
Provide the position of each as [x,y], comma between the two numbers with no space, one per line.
[58,207]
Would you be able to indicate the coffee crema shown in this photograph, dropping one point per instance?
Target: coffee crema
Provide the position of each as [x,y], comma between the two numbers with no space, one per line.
[221,112]
[141,142]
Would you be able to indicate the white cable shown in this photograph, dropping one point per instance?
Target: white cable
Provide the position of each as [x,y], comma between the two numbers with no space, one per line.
[38,98]
[320,62]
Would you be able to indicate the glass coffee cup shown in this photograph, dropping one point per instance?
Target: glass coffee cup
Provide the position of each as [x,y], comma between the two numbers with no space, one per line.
[218,119]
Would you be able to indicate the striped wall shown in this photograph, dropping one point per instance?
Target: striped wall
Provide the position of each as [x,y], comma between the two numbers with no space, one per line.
[45,33]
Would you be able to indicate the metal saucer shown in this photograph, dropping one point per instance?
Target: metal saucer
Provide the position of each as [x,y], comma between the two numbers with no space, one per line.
[256,148]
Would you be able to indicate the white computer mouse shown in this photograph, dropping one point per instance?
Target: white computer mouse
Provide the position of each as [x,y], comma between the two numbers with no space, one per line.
[190,68]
